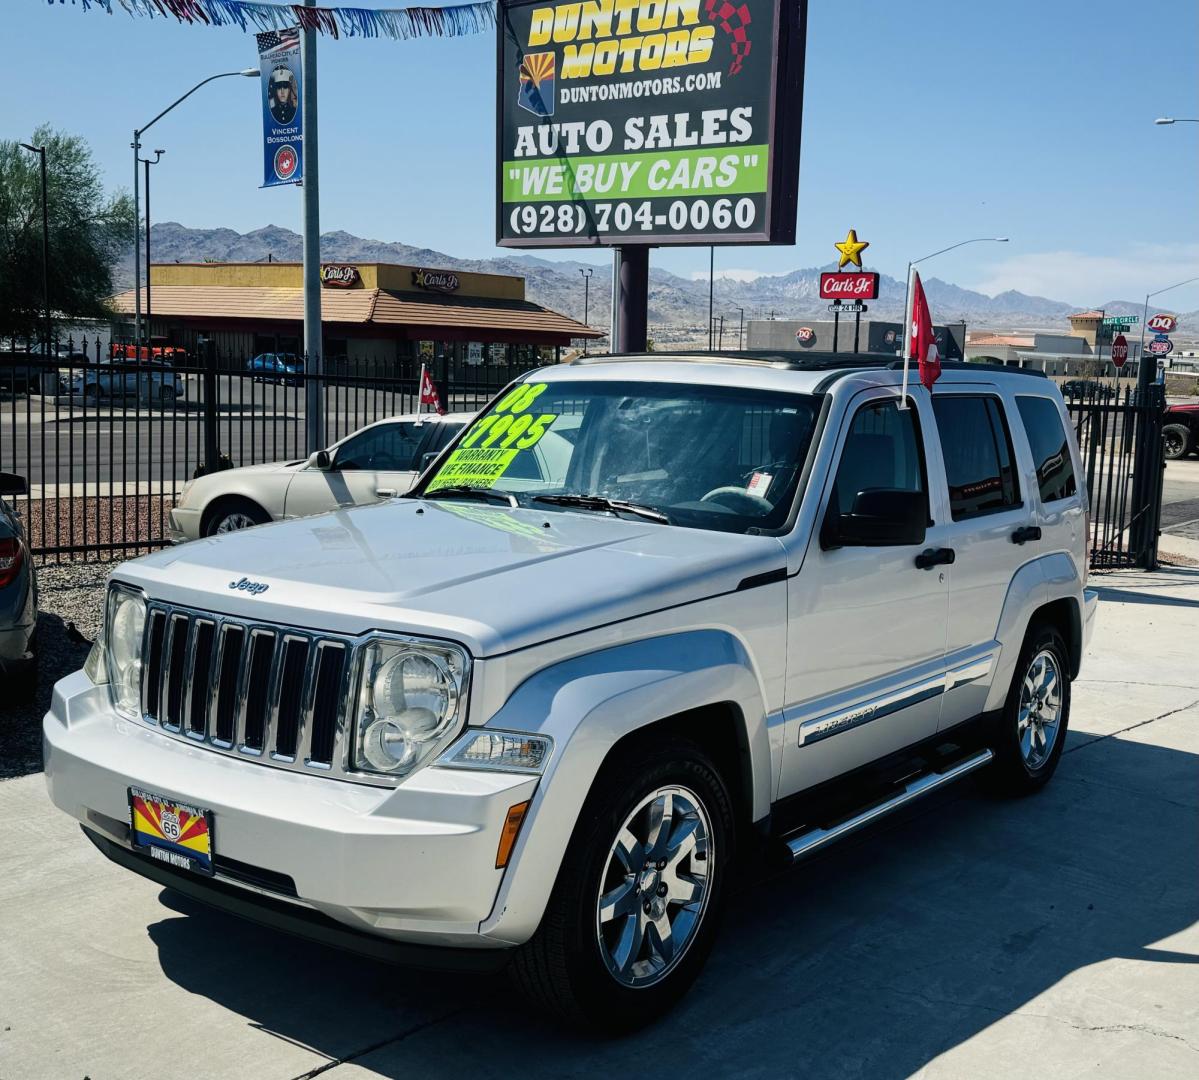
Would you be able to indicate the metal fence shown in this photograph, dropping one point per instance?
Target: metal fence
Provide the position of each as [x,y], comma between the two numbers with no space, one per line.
[107,436]
[1120,436]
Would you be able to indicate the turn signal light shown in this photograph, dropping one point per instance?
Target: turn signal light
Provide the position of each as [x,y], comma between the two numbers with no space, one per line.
[512,824]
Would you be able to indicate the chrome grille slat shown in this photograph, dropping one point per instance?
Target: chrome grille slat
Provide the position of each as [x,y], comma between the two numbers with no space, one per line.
[198,684]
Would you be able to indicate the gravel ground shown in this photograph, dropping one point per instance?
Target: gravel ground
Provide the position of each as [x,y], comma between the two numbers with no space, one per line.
[70,593]
[95,521]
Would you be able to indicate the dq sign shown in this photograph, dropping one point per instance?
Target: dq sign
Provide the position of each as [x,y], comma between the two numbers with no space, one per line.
[1162,323]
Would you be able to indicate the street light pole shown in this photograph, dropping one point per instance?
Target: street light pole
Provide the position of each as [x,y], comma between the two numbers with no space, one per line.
[740,326]
[1142,381]
[311,192]
[149,330]
[907,302]
[1177,120]
[586,298]
[41,152]
[711,280]
[249,73]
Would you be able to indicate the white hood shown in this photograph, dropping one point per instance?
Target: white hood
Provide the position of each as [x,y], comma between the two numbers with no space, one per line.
[491,578]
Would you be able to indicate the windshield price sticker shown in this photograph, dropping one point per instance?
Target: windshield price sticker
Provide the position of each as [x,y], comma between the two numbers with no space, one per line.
[494,440]
[648,120]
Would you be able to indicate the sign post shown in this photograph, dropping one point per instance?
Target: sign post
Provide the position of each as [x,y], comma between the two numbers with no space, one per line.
[647,123]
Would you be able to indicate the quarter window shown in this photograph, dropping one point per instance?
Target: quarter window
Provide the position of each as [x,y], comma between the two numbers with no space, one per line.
[978,455]
[1050,447]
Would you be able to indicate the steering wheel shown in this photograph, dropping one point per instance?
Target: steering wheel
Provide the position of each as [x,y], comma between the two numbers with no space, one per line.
[739,501]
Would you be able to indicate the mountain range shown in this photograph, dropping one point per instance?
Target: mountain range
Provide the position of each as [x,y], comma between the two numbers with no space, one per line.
[678,307]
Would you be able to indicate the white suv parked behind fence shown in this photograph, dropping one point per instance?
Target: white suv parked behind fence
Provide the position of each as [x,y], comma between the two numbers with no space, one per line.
[531,714]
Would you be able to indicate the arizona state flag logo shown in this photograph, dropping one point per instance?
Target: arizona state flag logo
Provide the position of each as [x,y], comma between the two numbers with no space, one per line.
[537,84]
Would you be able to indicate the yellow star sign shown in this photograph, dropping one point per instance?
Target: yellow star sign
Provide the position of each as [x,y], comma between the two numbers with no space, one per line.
[851,249]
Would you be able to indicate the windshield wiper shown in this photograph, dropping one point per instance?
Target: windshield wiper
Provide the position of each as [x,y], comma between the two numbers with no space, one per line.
[598,502]
[465,491]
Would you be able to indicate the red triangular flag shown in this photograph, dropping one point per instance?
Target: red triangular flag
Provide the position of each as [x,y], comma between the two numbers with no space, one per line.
[923,340]
[428,392]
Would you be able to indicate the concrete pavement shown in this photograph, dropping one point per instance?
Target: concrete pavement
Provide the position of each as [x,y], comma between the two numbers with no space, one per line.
[1051,936]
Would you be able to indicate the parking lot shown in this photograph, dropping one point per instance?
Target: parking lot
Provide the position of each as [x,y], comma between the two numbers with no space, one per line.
[969,937]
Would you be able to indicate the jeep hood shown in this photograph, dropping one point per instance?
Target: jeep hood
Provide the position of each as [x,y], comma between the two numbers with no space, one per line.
[493,578]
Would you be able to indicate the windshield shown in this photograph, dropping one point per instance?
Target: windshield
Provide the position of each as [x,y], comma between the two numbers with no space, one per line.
[708,457]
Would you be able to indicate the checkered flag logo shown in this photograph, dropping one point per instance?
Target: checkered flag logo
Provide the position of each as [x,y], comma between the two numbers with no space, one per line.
[734,20]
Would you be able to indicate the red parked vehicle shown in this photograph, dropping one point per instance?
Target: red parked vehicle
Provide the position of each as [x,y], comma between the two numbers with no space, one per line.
[1180,432]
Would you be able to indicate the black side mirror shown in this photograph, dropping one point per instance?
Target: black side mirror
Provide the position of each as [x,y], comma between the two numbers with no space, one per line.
[13,485]
[881,517]
[427,459]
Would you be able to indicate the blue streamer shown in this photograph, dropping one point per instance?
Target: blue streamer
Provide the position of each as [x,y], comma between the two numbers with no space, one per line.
[400,24]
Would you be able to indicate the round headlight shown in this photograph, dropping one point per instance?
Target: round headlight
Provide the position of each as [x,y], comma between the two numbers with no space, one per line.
[413,700]
[124,647]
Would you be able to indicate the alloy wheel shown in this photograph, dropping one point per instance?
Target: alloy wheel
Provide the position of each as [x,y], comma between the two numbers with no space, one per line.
[1040,714]
[655,886]
[233,522]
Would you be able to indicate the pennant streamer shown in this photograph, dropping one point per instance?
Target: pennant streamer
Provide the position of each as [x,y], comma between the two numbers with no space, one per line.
[399,23]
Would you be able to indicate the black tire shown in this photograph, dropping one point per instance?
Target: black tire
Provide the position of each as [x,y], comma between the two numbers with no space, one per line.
[166,395]
[1013,773]
[228,508]
[1177,440]
[562,967]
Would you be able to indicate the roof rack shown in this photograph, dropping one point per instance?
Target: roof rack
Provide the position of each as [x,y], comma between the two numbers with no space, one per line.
[788,361]
[806,361]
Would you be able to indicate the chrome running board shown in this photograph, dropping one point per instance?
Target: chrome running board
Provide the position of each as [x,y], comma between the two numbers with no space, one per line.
[812,839]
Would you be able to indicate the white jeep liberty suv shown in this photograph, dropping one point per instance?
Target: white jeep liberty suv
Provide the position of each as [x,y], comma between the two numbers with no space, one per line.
[529,714]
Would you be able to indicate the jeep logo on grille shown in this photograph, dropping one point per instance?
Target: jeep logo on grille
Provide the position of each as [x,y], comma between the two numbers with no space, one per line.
[254,588]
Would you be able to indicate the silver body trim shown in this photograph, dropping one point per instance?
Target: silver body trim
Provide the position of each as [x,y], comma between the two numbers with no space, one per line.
[875,708]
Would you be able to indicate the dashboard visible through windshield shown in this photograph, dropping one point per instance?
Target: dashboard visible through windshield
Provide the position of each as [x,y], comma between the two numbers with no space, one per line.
[710,457]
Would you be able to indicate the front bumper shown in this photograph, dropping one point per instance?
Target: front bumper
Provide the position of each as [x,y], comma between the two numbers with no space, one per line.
[1090,607]
[415,863]
[183,524]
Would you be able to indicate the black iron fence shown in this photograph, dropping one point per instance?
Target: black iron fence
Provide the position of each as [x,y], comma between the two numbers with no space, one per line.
[107,435]
[1120,436]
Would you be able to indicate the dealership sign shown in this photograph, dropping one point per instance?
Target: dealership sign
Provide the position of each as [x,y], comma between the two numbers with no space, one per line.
[851,286]
[339,276]
[648,121]
[1162,323]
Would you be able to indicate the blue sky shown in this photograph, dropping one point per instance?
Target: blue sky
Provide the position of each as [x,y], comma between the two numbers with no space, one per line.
[924,123]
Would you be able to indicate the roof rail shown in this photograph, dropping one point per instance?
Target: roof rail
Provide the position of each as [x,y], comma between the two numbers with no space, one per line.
[789,361]
[806,361]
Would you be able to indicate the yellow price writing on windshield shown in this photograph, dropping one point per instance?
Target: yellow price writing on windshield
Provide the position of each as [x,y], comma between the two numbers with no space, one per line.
[520,397]
[520,432]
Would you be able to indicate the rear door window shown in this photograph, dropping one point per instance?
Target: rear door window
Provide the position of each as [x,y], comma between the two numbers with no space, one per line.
[977,447]
[1050,447]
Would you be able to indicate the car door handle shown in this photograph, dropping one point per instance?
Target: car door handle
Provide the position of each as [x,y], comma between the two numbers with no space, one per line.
[931,557]
[386,493]
[1026,533]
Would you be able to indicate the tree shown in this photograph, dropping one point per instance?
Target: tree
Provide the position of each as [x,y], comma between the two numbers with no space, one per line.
[89,231]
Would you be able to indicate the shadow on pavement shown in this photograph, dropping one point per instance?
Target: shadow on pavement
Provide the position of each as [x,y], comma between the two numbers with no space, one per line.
[21,722]
[870,961]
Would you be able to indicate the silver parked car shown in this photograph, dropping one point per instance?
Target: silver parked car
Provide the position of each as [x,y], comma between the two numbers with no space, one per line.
[154,383]
[18,597]
[535,713]
[376,462]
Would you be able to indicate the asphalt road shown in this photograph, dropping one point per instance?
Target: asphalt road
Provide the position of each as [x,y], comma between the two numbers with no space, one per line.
[1053,936]
[63,441]
[1180,498]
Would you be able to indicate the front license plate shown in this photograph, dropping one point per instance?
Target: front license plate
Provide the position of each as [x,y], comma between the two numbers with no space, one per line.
[171,832]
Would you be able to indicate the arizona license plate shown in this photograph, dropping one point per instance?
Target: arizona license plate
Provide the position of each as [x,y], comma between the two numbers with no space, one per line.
[171,832]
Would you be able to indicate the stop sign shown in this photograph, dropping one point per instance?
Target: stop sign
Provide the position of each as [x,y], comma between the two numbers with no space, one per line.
[1119,350]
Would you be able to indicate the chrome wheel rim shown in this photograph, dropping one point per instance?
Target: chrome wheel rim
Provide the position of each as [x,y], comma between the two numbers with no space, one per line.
[1040,709]
[1173,443]
[655,887]
[232,522]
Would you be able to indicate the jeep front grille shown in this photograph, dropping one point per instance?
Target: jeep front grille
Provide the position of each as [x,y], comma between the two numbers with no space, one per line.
[254,690]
